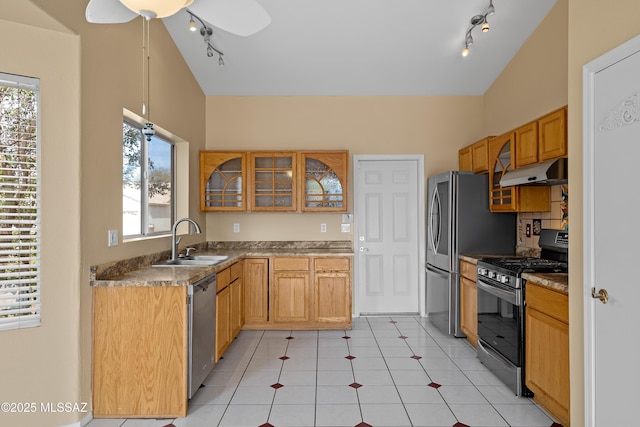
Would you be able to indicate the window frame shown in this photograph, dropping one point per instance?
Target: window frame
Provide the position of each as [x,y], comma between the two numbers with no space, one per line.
[29,316]
[136,122]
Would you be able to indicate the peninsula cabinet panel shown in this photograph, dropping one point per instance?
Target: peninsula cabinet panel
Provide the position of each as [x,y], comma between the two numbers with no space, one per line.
[256,290]
[547,350]
[139,352]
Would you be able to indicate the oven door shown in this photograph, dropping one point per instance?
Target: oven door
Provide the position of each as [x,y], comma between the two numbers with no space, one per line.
[501,320]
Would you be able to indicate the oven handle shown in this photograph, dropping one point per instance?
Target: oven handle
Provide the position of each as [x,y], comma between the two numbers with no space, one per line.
[510,296]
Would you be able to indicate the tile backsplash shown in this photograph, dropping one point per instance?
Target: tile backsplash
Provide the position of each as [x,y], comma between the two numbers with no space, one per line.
[530,223]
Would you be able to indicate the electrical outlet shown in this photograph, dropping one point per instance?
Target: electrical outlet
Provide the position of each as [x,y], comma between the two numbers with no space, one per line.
[323,228]
[236,227]
[112,238]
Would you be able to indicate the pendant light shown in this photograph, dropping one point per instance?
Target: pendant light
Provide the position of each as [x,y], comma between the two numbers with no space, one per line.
[155,8]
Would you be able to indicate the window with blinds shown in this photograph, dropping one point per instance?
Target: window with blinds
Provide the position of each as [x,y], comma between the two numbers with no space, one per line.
[19,202]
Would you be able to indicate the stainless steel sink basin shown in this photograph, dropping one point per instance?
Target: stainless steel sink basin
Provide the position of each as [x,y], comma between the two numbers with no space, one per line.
[193,261]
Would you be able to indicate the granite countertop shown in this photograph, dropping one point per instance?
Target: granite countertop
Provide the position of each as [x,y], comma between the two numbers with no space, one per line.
[139,271]
[555,281]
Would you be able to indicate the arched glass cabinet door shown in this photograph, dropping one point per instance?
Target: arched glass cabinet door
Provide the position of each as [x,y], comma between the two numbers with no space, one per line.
[325,181]
[222,181]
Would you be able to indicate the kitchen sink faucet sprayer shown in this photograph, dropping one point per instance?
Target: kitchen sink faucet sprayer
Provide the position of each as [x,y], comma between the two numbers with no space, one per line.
[175,242]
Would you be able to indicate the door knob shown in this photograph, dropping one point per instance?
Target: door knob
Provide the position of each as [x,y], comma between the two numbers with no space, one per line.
[602,295]
[363,249]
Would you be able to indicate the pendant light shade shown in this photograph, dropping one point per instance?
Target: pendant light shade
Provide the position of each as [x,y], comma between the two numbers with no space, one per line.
[155,8]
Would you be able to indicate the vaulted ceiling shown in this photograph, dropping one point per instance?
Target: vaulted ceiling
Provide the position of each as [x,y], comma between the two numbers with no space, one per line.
[362,48]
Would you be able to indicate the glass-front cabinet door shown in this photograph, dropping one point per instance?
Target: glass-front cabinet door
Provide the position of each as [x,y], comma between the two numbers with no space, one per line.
[273,181]
[223,181]
[324,176]
[501,199]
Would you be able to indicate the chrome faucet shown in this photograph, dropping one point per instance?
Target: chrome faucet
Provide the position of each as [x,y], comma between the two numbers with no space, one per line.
[174,242]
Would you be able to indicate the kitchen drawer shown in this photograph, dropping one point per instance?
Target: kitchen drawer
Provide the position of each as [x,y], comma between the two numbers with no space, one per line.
[468,270]
[332,264]
[550,302]
[223,278]
[235,271]
[291,264]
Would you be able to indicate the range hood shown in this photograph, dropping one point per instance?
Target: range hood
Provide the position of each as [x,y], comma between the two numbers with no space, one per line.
[551,172]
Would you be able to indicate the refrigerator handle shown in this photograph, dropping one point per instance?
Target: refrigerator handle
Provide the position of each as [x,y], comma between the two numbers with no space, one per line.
[435,228]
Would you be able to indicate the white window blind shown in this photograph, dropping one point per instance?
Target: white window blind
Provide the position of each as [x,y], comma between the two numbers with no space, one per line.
[19,202]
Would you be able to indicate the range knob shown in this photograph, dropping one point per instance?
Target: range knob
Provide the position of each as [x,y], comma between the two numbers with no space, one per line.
[493,274]
[504,279]
[482,271]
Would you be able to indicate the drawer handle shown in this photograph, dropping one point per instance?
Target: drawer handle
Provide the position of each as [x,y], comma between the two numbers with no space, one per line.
[602,295]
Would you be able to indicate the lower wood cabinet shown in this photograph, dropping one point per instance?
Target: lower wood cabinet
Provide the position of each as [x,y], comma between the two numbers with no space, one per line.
[139,351]
[547,349]
[301,293]
[256,291]
[229,306]
[469,302]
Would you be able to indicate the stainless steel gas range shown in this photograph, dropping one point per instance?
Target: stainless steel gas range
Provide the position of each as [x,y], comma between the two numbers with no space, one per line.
[501,306]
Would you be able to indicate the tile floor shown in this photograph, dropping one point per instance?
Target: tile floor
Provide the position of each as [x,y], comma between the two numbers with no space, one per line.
[386,371]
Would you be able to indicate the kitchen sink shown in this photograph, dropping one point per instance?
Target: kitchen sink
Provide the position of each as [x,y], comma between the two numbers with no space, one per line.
[193,261]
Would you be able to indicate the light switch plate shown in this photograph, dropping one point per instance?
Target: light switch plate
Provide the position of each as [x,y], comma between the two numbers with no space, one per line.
[345,228]
[112,238]
[323,228]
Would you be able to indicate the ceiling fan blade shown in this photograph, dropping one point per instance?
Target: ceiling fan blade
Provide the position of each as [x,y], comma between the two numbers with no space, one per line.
[241,17]
[108,12]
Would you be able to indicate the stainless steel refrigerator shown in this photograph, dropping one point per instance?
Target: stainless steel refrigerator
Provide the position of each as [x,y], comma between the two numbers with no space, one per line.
[459,222]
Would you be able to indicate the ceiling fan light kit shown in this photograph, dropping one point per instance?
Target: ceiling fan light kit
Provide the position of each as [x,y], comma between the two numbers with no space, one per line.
[155,8]
[477,20]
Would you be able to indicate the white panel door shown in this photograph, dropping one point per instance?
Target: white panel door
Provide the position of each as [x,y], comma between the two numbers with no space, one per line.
[612,203]
[387,236]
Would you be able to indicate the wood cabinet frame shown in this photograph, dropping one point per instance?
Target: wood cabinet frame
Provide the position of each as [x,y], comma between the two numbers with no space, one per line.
[336,160]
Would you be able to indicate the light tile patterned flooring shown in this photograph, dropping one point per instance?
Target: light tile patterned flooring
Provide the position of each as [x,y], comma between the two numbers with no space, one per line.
[386,371]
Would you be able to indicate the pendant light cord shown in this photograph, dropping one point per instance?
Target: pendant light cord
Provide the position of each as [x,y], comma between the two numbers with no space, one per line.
[146,68]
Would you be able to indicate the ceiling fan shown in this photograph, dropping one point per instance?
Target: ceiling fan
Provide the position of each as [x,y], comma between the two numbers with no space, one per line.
[240,17]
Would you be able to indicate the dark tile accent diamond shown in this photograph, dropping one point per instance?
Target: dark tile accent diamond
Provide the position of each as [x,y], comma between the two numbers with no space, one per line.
[434,385]
[266,425]
[289,338]
[556,425]
[355,385]
[459,424]
[350,357]
[402,337]
[170,425]
[284,358]
[415,356]
[364,425]
[346,337]
[276,385]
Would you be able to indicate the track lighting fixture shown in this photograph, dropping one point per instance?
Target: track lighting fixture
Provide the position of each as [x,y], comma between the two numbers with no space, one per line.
[206,32]
[477,20]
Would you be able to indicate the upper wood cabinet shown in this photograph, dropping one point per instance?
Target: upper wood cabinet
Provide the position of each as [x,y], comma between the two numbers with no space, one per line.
[223,183]
[475,157]
[552,135]
[542,139]
[301,181]
[512,199]
[272,181]
[324,178]
[526,145]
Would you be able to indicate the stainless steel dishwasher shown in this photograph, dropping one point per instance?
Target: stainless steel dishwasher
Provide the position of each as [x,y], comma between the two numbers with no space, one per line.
[202,330]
